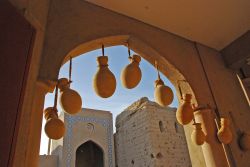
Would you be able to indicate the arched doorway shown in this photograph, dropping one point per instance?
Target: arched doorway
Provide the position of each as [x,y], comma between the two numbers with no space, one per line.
[89,154]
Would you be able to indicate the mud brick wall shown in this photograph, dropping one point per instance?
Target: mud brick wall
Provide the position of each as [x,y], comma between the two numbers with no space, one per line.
[148,135]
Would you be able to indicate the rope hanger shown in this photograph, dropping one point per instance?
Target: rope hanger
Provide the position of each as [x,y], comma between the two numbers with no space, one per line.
[157,69]
[129,53]
[102,50]
[70,70]
[56,96]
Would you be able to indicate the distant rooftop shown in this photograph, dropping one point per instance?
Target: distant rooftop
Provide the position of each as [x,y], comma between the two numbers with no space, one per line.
[139,105]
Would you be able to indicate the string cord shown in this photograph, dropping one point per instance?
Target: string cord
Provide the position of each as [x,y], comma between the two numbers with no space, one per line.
[70,70]
[208,82]
[129,53]
[157,69]
[56,96]
[102,50]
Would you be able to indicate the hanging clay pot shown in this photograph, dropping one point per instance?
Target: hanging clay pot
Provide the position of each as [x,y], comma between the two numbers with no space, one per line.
[104,82]
[163,94]
[245,141]
[224,134]
[70,100]
[185,112]
[198,137]
[131,74]
[54,127]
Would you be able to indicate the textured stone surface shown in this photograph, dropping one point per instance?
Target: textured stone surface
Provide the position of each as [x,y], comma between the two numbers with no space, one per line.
[149,135]
[48,161]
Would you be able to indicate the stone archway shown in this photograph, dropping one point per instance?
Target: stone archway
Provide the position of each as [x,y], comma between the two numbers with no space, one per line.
[149,54]
[168,68]
[89,154]
[77,27]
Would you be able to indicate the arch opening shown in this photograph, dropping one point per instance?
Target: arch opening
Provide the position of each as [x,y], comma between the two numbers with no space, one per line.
[145,51]
[148,53]
[89,154]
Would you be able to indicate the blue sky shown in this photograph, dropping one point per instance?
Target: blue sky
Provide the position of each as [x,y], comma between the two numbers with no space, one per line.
[84,68]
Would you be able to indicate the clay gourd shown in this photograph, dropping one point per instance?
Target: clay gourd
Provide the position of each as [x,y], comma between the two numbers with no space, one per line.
[184,113]
[104,81]
[131,74]
[70,100]
[198,137]
[54,127]
[224,133]
[163,94]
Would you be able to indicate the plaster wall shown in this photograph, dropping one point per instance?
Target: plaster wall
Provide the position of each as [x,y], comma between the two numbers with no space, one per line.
[245,84]
[231,101]
[140,141]
[28,137]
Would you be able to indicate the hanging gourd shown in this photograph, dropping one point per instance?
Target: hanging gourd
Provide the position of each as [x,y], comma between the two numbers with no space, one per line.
[54,127]
[131,74]
[70,100]
[163,94]
[198,137]
[185,111]
[104,81]
[224,134]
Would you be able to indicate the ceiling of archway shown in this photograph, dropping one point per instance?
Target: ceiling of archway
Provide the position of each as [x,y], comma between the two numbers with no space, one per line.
[214,23]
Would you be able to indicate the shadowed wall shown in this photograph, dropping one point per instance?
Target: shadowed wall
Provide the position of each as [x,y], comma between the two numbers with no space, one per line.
[90,155]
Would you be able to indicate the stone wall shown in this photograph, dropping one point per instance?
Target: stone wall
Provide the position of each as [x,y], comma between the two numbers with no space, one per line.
[148,135]
[48,161]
